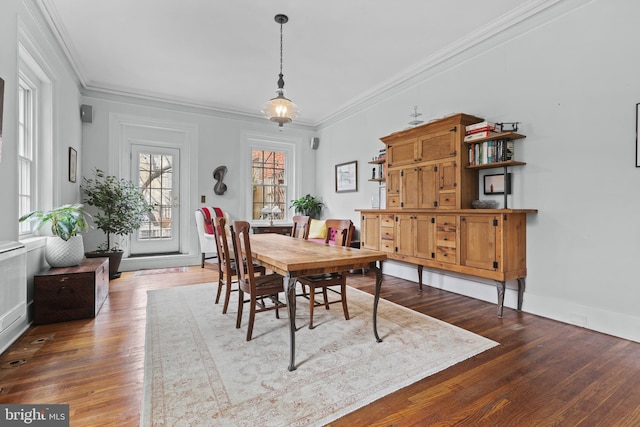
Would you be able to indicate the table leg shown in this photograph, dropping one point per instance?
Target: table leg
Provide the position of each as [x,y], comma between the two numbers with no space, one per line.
[376,298]
[289,282]
[501,286]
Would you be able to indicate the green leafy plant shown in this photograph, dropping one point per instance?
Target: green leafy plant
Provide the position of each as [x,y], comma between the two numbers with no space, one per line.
[66,221]
[307,205]
[121,207]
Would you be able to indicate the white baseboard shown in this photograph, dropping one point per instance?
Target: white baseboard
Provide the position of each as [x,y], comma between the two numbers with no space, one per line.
[617,324]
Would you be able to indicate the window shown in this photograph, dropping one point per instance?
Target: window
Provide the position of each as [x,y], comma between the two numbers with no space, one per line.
[26,151]
[269,184]
[36,184]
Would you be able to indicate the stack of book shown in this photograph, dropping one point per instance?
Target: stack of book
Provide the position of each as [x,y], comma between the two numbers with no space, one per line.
[382,154]
[481,130]
[492,151]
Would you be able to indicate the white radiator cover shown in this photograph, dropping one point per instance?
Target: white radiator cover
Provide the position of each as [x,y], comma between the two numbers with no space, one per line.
[13,283]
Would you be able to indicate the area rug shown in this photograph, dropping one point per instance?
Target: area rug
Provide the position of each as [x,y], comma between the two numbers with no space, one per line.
[160,271]
[200,370]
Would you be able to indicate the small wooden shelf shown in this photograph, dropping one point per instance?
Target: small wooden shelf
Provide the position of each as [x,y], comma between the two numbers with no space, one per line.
[377,179]
[496,165]
[377,161]
[504,135]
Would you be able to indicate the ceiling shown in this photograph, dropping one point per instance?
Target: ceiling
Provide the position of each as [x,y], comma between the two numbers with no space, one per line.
[224,55]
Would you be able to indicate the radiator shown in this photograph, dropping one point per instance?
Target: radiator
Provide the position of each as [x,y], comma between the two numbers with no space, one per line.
[13,283]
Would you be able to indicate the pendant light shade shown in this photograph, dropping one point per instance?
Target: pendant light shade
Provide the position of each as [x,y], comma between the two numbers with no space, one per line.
[280,109]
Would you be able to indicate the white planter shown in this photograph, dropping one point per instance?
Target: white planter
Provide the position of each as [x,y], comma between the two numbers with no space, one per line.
[64,254]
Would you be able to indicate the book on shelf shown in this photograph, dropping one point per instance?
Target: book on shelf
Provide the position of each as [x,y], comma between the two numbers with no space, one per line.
[478,127]
[479,135]
[492,151]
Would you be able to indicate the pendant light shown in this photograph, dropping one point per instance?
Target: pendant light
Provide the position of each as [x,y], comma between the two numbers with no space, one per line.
[280,109]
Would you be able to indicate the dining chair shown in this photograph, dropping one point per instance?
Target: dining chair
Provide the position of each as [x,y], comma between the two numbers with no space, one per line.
[263,290]
[341,232]
[301,226]
[226,261]
[204,224]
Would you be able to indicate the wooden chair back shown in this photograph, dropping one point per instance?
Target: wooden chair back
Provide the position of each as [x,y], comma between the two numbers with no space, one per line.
[225,257]
[244,259]
[343,229]
[301,225]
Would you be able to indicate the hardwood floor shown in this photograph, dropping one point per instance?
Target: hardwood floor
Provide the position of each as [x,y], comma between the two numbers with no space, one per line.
[542,373]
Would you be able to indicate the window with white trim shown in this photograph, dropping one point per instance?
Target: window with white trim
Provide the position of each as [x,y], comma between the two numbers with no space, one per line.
[268,175]
[26,150]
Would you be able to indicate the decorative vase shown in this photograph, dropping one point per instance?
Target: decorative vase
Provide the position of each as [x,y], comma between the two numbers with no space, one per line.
[61,253]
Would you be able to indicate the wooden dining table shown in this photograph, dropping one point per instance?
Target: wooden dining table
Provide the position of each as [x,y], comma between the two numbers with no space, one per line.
[294,258]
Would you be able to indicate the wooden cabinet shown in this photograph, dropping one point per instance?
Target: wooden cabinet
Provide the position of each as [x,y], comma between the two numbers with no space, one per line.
[432,178]
[423,166]
[276,229]
[70,293]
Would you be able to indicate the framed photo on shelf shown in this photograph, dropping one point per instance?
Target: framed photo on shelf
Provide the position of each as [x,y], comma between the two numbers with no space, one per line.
[73,164]
[495,184]
[347,177]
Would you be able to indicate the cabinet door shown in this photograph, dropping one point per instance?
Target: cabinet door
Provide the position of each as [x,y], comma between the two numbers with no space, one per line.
[405,234]
[401,153]
[425,236]
[478,241]
[393,188]
[370,230]
[409,182]
[437,145]
[446,183]
[426,189]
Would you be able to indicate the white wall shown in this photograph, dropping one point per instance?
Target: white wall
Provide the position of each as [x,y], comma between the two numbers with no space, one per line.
[571,78]
[20,21]
[218,143]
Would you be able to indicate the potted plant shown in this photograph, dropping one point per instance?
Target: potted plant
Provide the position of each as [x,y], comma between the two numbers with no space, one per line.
[65,246]
[307,205]
[121,210]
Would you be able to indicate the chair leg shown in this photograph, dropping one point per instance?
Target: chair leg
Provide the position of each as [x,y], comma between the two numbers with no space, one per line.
[227,297]
[219,290]
[343,291]
[252,316]
[312,296]
[202,259]
[240,305]
[326,300]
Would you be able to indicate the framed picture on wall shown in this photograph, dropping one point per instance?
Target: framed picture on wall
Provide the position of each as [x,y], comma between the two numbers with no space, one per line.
[73,165]
[347,177]
[495,184]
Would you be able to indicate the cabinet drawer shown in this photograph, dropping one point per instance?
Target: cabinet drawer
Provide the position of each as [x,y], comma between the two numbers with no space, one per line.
[446,239]
[393,201]
[386,233]
[446,223]
[387,220]
[445,254]
[447,200]
[387,246]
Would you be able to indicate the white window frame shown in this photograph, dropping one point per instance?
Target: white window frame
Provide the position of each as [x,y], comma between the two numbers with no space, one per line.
[34,74]
[256,141]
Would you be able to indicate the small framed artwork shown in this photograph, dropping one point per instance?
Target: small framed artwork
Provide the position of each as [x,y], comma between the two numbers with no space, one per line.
[637,131]
[73,165]
[495,184]
[347,177]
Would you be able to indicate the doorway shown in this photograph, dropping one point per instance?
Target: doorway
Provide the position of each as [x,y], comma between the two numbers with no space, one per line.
[157,172]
